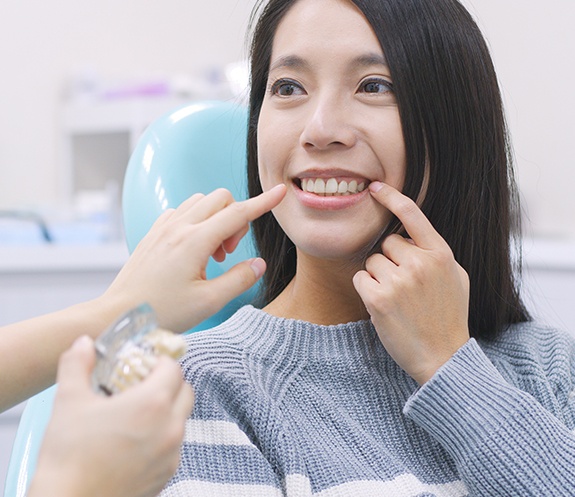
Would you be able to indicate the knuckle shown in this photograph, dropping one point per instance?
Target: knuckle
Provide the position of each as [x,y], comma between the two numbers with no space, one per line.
[239,207]
[373,261]
[444,256]
[224,193]
[418,269]
[377,301]
[406,207]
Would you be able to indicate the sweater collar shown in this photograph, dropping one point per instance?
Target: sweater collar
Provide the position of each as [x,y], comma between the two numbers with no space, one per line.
[321,342]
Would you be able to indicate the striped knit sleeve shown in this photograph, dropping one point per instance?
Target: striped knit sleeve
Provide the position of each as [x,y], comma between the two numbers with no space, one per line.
[503,440]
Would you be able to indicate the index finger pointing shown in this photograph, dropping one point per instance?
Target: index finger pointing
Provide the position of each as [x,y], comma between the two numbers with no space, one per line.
[237,215]
[407,211]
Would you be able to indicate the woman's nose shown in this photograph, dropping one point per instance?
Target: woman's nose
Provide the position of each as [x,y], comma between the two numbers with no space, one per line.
[327,124]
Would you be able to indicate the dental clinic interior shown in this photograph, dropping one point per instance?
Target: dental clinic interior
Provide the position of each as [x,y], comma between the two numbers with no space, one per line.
[82,81]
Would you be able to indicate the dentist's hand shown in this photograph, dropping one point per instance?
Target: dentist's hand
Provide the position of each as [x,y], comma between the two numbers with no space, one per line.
[126,445]
[168,267]
[415,292]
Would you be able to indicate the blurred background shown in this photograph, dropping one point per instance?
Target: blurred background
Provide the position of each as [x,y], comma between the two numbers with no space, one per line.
[81,80]
[76,75]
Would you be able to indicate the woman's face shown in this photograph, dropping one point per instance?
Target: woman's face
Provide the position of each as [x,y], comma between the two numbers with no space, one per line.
[329,125]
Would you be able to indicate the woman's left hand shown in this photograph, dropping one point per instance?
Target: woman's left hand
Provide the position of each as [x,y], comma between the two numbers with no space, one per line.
[415,292]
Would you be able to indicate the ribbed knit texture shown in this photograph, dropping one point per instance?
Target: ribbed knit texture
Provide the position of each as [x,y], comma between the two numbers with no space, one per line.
[285,407]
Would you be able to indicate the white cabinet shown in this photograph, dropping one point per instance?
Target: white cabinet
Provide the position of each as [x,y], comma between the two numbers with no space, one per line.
[98,136]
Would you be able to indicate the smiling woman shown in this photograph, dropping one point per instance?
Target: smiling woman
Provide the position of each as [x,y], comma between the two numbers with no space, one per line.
[340,123]
[392,354]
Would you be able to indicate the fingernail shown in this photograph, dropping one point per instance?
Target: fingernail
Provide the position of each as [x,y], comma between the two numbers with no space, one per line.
[258,266]
[82,342]
[375,186]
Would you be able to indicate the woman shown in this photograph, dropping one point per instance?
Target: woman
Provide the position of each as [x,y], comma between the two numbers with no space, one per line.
[393,354]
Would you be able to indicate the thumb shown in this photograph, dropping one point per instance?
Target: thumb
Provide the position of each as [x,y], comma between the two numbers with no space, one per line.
[238,279]
[76,365]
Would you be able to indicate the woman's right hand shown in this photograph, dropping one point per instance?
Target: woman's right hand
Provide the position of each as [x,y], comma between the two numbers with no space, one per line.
[168,267]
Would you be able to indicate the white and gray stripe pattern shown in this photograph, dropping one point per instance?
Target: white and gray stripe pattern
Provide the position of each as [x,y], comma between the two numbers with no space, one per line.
[287,408]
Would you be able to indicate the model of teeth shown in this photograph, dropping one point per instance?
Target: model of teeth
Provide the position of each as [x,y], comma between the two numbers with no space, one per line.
[331,187]
[135,360]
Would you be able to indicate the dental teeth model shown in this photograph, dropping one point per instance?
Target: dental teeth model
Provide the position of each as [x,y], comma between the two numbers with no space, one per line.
[331,187]
[129,350]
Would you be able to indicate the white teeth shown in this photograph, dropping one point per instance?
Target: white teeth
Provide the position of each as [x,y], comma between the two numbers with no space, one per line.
[308,185]
[331,187]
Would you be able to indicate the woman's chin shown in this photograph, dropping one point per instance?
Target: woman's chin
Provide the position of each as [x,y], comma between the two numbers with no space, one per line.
[336,248]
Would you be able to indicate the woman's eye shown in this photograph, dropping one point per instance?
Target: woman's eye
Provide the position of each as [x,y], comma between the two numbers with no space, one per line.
[378,86]
[286,88]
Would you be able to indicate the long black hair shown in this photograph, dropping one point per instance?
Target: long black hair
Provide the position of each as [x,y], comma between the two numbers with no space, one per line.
[455,134]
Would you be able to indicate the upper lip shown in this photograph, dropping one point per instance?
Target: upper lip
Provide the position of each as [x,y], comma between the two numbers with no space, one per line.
[331,173]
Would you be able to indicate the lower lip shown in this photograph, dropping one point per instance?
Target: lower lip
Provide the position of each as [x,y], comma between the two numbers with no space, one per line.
[333,203]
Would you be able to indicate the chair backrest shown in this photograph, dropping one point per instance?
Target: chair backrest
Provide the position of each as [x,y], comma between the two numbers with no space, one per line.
[196,148]
[27,443]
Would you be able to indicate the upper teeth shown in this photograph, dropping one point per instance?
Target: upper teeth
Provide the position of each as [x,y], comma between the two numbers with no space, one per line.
[331,186]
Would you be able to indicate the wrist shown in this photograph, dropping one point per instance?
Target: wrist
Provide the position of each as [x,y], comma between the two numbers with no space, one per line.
[436,363]
[56,482]
[101,312]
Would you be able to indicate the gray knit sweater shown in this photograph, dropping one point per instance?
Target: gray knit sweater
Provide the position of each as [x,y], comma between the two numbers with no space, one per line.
[285,407]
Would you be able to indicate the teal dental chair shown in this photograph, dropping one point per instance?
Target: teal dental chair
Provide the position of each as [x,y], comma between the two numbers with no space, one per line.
[196,148]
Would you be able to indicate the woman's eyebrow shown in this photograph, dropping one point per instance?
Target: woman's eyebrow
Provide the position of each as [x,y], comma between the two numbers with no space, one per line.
[292,61]
[296,62]
[369,59]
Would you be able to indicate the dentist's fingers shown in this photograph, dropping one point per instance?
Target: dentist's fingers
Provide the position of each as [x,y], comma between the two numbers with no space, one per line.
[232,283]
[236,217]
[186,206]
[196,210]
[75,367]
[414,221]
[231,243]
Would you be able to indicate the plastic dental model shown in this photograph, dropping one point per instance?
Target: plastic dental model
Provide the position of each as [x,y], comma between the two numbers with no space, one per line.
[129,350]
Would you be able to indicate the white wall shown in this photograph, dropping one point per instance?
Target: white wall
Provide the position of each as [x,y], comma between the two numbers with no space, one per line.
[43,43]
[532,44]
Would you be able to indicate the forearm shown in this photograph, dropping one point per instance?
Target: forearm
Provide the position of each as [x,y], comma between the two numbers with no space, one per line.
[29,350]
[504,442]
[167,270]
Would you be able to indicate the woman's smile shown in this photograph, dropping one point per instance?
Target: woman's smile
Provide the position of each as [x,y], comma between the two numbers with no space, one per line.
[329,190]
[328,127]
